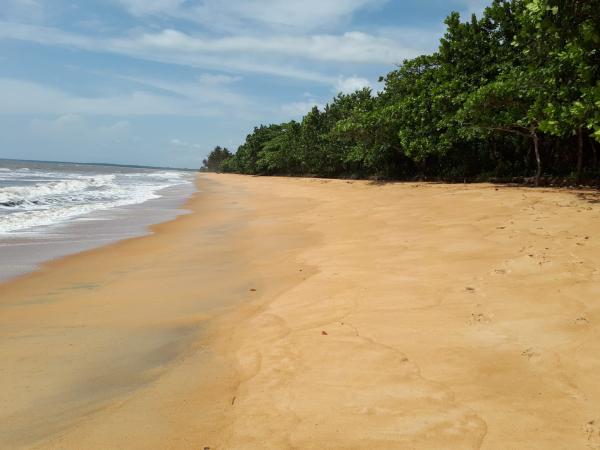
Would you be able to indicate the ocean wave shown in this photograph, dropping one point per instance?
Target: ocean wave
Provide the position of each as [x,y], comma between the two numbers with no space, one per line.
[32,218]
[167,175]
[54,201]
[44,192]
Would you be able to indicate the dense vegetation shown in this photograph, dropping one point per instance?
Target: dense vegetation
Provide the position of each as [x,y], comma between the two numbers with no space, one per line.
[215,159]
[514,95]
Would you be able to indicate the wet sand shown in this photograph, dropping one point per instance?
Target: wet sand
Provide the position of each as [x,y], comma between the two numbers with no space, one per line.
[304,313]
[26,251]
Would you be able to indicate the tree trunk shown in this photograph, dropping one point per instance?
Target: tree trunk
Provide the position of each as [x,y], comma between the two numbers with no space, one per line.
[594,154]
[538,161]
[579,154]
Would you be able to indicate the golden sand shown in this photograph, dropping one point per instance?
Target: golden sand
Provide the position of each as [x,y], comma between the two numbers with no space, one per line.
[317,314]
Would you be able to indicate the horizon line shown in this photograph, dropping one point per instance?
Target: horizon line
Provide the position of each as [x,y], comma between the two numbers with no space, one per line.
[98,164]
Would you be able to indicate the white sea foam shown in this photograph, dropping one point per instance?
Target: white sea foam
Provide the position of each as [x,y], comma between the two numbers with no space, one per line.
[50,198]
[43,193]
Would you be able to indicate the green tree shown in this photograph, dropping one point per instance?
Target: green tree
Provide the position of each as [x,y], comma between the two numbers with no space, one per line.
[521,80]
[215,159]
[561,39]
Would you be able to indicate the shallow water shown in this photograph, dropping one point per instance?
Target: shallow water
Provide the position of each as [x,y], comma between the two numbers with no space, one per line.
[49,210]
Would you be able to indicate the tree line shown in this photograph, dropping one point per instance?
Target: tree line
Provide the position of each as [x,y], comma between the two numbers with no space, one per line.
[511,96]
[215,159]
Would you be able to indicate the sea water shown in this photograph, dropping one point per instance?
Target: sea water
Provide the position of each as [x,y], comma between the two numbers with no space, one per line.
[52,209]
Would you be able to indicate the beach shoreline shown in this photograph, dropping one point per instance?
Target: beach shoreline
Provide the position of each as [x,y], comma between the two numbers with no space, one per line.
[51,210]
[312,313]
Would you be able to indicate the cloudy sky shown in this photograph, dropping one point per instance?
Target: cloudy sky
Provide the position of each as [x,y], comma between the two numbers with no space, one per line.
[161,82]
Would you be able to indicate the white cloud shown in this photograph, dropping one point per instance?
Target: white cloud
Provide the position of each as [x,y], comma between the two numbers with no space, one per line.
[46,36]
[343,85]
[73,127]
[233,15]
[474,7]
[208,89]
[298,109]
[23,97]
[351,84]
[180,144]
[267,55]
[30,10]
[150,7]
[350,47]
[213,80]
[163,51]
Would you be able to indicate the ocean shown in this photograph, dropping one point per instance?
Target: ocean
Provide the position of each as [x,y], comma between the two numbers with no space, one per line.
[49,209]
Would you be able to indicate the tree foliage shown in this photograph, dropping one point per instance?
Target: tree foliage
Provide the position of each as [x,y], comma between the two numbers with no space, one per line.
[215,159]
[515,93]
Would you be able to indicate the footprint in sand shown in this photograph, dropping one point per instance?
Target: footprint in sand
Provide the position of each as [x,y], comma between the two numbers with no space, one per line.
[531,354]
[592,431]
[479,317]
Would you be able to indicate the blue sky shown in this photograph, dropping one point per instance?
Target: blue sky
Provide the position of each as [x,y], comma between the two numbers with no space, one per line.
[161,82]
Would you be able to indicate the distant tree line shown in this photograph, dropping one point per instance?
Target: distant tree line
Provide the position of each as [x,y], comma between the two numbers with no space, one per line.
[514,95]
[215,159]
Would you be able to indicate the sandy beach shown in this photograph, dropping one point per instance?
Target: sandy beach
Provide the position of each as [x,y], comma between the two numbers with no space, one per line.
[290,313]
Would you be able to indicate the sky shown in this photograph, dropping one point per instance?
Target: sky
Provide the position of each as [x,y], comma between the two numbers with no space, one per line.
[162,82]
